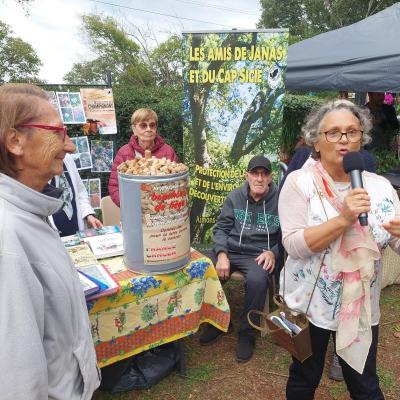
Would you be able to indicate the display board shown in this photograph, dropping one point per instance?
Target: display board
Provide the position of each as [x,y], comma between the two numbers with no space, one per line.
[232,109]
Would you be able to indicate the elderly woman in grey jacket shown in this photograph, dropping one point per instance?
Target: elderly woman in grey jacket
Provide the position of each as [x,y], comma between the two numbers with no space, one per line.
[46,347]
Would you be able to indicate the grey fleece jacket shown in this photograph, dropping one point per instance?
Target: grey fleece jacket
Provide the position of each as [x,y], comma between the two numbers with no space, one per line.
[46,348]
[248,227]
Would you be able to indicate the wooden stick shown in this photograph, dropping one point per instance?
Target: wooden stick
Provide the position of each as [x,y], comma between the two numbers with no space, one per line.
[273,373]
[166,395]
[235,376]
[391,322]
[276,374]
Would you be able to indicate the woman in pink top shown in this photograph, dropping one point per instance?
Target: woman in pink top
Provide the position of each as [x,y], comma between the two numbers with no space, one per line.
[329,249]
[145,136]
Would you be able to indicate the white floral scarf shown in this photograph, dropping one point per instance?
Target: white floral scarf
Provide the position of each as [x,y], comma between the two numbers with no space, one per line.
[353,256]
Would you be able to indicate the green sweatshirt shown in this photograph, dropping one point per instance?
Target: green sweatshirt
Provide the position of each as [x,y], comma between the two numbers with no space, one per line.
[246,226]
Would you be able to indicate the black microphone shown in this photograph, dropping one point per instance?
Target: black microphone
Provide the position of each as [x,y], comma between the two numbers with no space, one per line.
[353,164]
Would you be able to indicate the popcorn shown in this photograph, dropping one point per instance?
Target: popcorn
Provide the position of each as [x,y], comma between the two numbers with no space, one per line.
[151,166]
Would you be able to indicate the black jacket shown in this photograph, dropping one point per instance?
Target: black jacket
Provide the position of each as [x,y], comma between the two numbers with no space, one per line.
[262,226]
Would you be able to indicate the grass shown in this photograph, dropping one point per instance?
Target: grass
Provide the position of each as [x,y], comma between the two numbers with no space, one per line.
[214,374]
[201,373]
[387,380]
[337,390]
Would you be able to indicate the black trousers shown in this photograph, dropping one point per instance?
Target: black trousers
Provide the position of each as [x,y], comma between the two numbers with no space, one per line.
[304,377]
[256,282]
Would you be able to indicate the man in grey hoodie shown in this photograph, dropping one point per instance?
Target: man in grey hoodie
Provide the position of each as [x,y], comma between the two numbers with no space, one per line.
[246,240]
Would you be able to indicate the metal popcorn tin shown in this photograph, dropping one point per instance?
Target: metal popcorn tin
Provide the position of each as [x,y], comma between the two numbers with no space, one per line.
[155,221]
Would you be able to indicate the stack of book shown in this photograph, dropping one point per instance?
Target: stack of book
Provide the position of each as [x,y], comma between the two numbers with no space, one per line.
[95,278]
[89,286]
[99,274]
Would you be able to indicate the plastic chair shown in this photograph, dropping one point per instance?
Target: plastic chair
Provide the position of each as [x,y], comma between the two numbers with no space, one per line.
[390,268]
[282,168]
[111,212]
[238,276]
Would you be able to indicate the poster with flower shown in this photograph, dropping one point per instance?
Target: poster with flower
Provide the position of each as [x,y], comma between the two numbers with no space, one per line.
[71,107]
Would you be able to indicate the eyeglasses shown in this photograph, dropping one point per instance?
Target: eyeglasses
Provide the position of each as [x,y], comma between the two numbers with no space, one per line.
[263,173]
[59,129]
[145,125]
[335,135]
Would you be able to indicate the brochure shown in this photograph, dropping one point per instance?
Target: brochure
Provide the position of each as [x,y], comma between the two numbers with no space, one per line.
[71,240]
[104,246]
[105,230]
[82,255]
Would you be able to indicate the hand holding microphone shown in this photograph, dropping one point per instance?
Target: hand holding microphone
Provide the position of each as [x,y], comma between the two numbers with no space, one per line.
[357,202]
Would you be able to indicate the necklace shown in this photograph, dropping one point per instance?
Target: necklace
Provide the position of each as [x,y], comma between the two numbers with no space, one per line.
[342,186]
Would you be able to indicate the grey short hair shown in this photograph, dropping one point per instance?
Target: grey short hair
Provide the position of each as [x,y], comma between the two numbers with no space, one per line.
[311,128]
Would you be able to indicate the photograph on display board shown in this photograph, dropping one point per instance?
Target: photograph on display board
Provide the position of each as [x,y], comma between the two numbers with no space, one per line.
[95,192]
[93,187]
[102,155]
[53,99]
[82,144]
[99,109]
[71,107]
[86,184]
[82,157]
[86,161]
[63,99]
[66,115]
[77,160]
[78,115]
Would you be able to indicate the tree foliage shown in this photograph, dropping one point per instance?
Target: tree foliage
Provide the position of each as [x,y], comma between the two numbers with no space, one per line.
[307,18]
[226,99]
[24,2]
[87,72]
[130,63]
[296,108]
[18,60]
[166,62]
[114,51]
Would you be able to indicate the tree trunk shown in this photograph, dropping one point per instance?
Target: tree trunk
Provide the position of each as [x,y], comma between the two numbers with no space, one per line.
[258,109]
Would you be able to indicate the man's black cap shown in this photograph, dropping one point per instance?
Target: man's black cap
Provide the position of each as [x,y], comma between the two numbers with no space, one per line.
[259,161]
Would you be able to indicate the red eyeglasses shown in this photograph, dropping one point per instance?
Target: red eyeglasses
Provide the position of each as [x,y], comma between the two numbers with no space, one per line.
[145,125]
[59,129]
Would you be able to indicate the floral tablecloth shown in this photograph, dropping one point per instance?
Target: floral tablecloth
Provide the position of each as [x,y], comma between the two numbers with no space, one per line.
[150,310]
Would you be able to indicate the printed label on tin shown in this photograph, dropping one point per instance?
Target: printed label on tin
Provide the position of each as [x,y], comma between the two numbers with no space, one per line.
[165,220]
